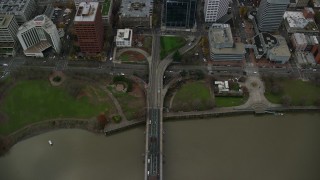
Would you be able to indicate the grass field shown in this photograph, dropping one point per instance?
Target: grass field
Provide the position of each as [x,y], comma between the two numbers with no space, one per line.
[229,101]
[170,44]
[32,101]
[193,96]
[297,90]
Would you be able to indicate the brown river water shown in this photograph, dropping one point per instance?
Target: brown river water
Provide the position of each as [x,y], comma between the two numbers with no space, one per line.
[227,148]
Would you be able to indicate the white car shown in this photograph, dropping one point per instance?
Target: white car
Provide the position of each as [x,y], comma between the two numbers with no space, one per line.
[4,64]
[204,59]
[110,58]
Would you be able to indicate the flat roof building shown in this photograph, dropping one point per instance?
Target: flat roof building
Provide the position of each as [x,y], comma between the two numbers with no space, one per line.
[8,35]
[23,10]
[38,35]
[279,53]
[299,41]
[179,14]
[222,46]
[124,38]
[89,27]
[137,13]
[296,22]
[273,47]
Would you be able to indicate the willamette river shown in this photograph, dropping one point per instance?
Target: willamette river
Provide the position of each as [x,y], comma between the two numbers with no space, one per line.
[230,148]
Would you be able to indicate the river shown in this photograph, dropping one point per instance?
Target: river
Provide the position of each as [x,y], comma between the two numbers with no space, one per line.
[243,147]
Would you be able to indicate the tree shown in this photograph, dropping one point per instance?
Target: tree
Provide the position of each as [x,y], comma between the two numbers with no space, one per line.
[317,17]
[102,121]
[177,56]
[243,10]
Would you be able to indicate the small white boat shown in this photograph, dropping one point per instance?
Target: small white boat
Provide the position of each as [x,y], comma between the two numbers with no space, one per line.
[50,142]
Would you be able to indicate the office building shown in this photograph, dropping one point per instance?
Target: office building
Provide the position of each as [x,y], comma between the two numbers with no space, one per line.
[124,38]
[215,9]
[270,14]
[273,47]
[8,35]
[38,35]
[137,13]
[23,10]
[296,22]
[222,46]
[89,27]
[179,13]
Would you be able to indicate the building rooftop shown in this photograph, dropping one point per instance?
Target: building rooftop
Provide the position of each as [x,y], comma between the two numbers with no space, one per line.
[316,3]
[86,11]
[221,36]
[41,20]
[12,6]
[123,34]
[279,1]
[296,19]
[238,48]
[281,49]
[309,10]
[300,38]
[136,8]
[5,20]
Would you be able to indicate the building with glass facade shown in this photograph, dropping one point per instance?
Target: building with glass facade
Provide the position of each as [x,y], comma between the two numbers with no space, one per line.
[179,13]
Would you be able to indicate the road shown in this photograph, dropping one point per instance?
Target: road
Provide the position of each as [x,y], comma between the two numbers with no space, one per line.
[153,154]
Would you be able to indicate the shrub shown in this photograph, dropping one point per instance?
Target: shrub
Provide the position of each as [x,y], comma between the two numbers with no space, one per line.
[57,79]
[116,118]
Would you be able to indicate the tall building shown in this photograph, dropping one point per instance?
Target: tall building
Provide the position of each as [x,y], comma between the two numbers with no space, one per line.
[38,35]
[215,9]
[89,27]
[222,46]
[8,35]
[23,10]
[270,14]
[180,13]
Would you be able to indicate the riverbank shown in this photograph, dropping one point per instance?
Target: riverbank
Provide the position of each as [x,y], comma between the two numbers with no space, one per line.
[44,126]
[68,123]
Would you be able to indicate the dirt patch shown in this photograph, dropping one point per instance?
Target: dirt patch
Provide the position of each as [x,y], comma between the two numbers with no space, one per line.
[136,91]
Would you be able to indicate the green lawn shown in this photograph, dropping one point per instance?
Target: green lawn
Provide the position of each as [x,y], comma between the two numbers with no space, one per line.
[170,44]
[124,57]
[193,96]
[297,90]
[32,101]
[105,7]
[229,101]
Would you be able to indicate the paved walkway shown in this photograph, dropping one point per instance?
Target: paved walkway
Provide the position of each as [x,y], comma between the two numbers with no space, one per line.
[256,100]
[116,103]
